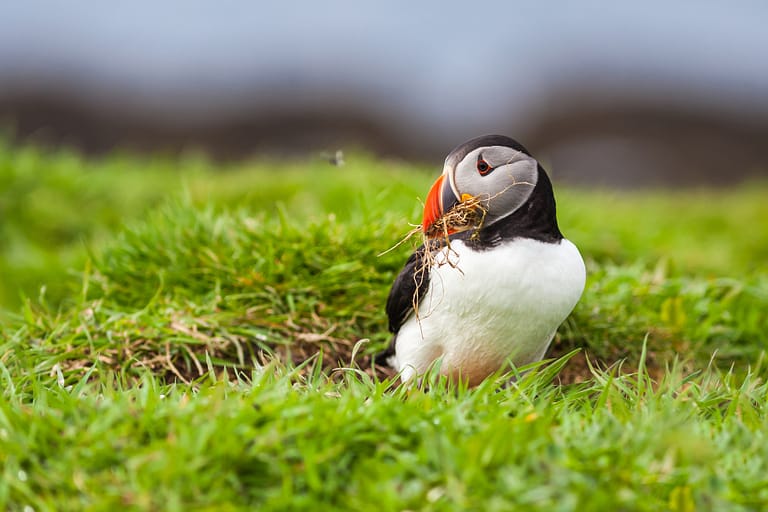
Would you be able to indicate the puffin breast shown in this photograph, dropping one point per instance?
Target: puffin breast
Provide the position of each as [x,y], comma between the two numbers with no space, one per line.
[492,305]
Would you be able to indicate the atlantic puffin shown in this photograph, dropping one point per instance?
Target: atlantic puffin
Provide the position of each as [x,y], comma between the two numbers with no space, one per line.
[491,294]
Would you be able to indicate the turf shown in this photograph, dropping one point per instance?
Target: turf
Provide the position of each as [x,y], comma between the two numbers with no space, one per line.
[174,328]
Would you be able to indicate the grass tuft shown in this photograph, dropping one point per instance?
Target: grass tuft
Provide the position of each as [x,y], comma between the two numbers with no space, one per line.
[180,336]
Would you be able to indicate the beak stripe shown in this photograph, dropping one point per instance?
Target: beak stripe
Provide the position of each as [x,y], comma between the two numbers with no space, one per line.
[433,207]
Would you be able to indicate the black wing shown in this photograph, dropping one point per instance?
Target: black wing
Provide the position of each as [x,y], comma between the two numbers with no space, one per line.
[407,290]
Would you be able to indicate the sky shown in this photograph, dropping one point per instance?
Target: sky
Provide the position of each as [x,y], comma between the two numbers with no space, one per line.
[441,63]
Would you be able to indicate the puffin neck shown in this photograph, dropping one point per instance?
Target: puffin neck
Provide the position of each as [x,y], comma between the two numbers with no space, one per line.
[535,219]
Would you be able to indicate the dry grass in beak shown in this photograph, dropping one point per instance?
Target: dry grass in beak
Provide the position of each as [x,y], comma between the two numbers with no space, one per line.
[466,215]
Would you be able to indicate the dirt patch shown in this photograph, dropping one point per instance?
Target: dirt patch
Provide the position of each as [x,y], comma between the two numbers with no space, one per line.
[187,363]
[186,351]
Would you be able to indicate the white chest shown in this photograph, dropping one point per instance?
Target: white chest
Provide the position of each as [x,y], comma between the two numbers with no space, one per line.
[491,305]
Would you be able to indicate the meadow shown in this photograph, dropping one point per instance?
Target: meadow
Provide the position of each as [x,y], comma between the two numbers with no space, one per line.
[178,334]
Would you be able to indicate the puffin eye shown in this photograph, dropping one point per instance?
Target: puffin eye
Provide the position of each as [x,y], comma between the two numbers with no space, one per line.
[482,166]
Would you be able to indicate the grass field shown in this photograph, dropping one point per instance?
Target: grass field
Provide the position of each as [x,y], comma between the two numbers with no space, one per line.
[183,335]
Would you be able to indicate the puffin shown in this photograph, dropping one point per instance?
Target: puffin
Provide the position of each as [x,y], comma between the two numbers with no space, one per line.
[473,299]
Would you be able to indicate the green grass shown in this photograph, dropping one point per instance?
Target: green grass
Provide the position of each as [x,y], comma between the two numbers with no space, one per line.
[172,326]
[274,443]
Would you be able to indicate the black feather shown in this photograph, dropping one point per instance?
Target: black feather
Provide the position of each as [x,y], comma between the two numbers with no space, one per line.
[408,289]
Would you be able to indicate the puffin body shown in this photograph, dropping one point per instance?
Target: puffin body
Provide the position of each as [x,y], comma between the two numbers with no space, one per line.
[492,293]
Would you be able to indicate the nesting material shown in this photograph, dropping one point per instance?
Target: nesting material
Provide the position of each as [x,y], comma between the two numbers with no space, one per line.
[469,214]
[465,216]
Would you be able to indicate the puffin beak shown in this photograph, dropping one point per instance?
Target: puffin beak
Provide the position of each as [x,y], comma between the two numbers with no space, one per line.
[439,200]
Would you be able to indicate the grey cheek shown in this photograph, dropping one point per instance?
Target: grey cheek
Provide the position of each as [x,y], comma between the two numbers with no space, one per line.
[511,195]
[467,184]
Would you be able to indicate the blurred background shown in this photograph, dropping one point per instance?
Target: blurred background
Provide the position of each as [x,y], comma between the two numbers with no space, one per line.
[604,93]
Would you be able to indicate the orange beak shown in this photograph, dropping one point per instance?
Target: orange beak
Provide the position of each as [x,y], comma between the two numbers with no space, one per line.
[439,200]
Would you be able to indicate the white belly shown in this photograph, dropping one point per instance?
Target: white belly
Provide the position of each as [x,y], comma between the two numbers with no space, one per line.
[499,304]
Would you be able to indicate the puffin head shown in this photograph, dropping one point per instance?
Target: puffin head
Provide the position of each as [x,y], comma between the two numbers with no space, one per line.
[494,170]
